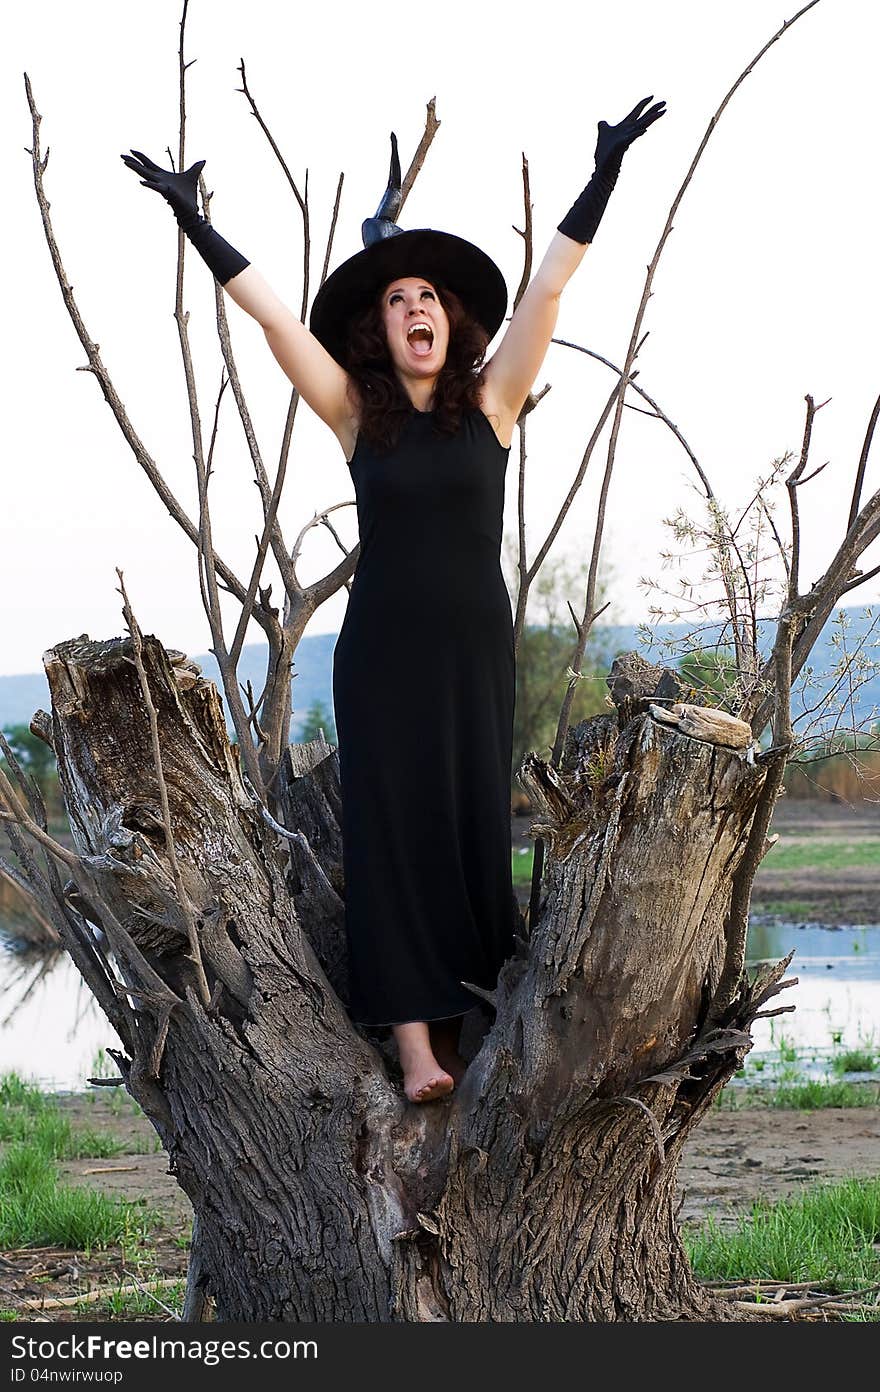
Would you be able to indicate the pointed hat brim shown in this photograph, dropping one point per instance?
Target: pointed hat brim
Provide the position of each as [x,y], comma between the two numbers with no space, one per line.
[438,256]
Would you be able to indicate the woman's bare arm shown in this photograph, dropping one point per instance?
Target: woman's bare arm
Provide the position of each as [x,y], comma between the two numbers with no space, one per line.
[513,367]
[316,375]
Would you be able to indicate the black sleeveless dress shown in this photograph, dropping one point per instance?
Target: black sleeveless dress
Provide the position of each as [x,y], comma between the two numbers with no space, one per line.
[423,691]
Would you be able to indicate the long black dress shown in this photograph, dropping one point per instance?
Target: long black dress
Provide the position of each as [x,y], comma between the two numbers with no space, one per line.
[423,690]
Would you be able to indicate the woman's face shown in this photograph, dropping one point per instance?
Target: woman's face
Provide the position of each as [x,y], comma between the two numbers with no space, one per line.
[416,327]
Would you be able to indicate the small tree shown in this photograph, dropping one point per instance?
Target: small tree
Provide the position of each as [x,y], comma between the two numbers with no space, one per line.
[546,650]
[34,755]
[318,722]
[711,674]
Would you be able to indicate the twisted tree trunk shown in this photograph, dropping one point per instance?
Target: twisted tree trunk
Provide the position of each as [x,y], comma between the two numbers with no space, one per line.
[544,1188]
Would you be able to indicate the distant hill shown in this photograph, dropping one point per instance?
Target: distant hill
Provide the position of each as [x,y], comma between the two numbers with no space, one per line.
[312,676]
[20,696]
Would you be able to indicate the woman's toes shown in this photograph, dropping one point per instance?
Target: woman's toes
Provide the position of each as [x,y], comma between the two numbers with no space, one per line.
[437,1085]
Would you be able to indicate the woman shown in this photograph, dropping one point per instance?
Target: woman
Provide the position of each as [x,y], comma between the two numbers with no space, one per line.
[423,667]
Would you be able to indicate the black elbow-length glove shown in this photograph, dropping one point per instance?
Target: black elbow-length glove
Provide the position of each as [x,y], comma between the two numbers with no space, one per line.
[181,191]
[583,218]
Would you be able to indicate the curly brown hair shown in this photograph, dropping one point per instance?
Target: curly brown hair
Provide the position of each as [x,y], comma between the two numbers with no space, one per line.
[379,398]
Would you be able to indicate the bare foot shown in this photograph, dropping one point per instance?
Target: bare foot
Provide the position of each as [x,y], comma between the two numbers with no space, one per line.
[438,1083]
[423,1078]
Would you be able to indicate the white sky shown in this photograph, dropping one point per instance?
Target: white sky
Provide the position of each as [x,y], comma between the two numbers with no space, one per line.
[767,289]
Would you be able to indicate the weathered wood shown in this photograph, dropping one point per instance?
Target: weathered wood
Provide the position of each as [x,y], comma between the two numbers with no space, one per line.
[560,1191]
[706,723]
[543,1189]
[310,800]
[633,680]
[268,1094]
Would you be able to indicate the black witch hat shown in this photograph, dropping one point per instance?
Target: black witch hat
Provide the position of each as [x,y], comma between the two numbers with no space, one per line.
[389,253]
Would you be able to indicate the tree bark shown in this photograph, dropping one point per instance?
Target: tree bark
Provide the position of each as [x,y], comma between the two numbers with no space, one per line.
[544,1187]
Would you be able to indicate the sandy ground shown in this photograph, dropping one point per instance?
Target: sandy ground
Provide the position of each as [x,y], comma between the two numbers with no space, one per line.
[735,1158]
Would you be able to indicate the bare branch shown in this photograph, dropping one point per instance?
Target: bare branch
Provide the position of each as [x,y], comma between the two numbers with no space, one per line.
[814,608]
[718,514]
[14,876]
[791,484]
[526,235]
[14,810]
[655,408]
[26,783]
[328,584]
[736,931]
[279,549]
[815,472]
[637,327]
[318,519]
[432,125]
[97,368]
[779,546]
[528,573]
[332,233]
[777,466]
[211,600]
[207,574]
[253,711]
[263,543]
[301,198]
[860,579]
[182,896]
[863,464]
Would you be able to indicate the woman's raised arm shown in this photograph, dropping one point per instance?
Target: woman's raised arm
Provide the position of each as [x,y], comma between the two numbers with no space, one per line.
[510,373]
[317,376]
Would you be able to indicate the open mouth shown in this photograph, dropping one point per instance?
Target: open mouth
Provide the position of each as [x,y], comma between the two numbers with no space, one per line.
[420,337]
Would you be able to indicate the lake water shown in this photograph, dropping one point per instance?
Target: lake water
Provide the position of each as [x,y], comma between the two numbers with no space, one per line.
[58,1035]
[837,997]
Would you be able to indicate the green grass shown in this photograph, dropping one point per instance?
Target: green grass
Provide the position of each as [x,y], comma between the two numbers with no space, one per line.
[29,1115]
[18,1092]
[184,1239]
[812,1093]
[128,1304]
[115,1100]
[522,865]
[36,1211]
[826,1235]
[53,1134]
[790,910]
[25,1169]
[787,1049]
[801,1095]
[862,1060]
[824,855]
